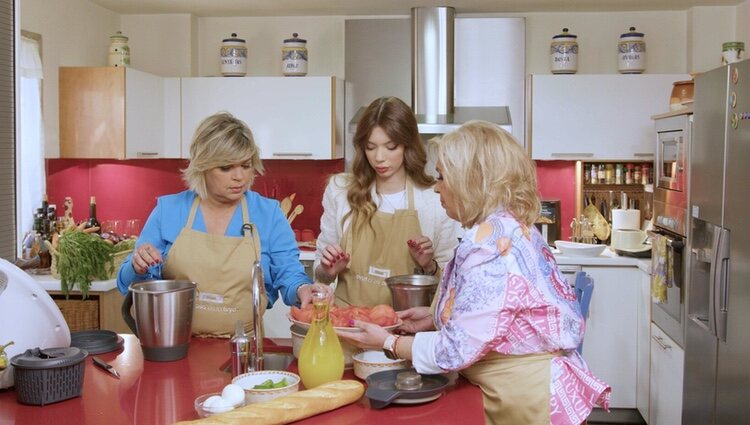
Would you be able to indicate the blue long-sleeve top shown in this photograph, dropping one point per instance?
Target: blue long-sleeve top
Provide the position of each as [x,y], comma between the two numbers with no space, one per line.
[282,271]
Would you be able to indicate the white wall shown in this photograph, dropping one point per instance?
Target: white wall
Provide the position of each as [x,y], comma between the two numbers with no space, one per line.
[163,44]
[264,38]
[74,33]
[709,27]
[742,17]
[598,34]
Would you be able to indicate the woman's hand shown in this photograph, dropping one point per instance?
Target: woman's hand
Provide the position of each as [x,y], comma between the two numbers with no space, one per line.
[144,257]
[333,261]
[372,336]
[422,251]
[416,319]
[306,290]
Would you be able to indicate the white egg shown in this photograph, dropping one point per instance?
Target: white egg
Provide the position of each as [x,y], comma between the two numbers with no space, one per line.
[219,406]
[211,402]
[233,394]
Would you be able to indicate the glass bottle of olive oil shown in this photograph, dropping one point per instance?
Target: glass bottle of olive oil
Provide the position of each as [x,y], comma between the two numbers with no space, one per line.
[321,358]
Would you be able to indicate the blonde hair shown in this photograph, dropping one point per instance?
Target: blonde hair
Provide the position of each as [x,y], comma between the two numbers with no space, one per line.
[220,140]
[485,169]
[398,122]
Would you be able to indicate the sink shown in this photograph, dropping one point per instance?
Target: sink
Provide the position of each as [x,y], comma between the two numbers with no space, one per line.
[277,361]
[271,361]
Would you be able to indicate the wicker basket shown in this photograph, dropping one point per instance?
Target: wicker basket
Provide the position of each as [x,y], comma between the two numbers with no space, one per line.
[117,259]
[79,314]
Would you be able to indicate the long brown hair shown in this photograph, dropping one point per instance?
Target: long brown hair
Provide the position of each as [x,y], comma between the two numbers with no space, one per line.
[397,120]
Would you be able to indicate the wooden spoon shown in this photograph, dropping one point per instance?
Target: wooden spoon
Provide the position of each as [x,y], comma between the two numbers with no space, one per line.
[297,211]
[286,205]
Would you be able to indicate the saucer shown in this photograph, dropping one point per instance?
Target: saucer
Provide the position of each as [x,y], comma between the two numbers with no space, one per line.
[644,251]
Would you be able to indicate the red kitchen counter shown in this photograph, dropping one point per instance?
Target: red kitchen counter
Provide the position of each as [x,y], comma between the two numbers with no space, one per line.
[155,393]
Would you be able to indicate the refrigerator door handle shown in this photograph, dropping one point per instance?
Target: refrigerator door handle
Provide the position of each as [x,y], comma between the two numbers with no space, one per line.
[721,282]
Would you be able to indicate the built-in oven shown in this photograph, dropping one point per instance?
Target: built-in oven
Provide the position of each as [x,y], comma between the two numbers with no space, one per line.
[670,225]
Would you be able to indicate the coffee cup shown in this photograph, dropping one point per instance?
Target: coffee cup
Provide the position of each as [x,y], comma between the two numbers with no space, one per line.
[628,238]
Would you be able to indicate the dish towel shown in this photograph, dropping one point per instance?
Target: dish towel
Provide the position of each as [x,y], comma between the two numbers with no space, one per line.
[661,275]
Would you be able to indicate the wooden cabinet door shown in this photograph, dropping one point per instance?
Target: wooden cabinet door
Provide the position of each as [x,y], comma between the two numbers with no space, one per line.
[610,341]
[92,112]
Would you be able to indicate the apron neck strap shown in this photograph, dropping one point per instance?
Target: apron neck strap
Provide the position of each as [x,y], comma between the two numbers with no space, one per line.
[409,194]
[193,211]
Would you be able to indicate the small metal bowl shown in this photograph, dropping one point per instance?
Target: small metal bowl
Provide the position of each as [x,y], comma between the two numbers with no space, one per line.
[411,290]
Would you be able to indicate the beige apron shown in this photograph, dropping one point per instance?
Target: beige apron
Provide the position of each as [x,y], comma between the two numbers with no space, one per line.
[221,266]
[516,389]
[377,253]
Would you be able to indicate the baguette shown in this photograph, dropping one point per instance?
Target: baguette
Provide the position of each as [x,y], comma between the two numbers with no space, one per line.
[289,408]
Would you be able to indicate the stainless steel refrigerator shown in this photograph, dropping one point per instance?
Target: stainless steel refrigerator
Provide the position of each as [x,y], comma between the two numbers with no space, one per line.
[717,338]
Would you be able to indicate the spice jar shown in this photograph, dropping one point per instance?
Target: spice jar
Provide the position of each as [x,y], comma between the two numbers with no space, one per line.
[563,53]
[731,52]
[294,57]
[631,53]
[233,57]
[119,52]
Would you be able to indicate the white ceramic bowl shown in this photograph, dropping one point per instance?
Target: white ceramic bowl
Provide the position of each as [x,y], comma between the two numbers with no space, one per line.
[205,411]
[369,362]
[575,249]
[248,380]
[298,337]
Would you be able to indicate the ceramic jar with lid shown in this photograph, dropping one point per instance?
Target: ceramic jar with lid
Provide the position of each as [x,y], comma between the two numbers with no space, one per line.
[119,52]
[294,57]
[731,52]
[563,53]
[631,53]
[233,57]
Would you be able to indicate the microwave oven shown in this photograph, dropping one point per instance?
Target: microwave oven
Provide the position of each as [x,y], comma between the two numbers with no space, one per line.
[671,172]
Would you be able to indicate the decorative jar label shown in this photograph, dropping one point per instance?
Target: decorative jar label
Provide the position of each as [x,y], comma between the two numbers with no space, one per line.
[294,57]
[631,53]
[564,53]
[233,57]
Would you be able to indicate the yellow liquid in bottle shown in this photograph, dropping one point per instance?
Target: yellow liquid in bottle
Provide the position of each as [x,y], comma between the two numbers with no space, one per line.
[321,358]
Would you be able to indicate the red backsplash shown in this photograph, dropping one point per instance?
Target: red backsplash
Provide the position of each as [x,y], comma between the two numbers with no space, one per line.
[128,189]
[557,181]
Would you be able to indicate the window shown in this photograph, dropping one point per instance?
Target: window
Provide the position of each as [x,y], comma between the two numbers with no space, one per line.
[7,131]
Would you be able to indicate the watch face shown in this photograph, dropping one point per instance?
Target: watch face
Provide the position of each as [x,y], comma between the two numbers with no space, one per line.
[390,354]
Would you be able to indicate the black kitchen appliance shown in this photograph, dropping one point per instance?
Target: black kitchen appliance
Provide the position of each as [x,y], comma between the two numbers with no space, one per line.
[548,222]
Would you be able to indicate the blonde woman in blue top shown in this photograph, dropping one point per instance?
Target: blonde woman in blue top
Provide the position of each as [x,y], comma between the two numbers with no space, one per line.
[213,232]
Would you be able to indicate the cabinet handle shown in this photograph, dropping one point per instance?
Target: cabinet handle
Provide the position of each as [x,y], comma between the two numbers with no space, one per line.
[643,155]
[292,154]
[147,153]
[659,340]
[572,154]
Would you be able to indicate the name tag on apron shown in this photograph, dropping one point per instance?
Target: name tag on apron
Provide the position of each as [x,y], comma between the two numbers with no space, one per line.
[382,273]
[211,298]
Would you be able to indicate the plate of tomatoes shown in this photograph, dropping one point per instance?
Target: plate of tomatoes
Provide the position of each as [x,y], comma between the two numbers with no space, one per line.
[382,315]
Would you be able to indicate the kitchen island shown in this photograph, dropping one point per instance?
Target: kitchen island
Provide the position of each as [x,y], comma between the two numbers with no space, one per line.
[157,393]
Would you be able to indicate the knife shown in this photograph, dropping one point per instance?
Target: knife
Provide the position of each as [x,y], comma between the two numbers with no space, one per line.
[106,366]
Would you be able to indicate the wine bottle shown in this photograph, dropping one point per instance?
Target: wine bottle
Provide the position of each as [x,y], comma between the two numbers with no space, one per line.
[92,221]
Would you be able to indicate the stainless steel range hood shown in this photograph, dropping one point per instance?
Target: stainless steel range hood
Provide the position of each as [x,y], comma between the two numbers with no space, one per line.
[432,62]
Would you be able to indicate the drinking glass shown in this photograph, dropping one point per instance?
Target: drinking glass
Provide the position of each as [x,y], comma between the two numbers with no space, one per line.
[132,228]
[113,227]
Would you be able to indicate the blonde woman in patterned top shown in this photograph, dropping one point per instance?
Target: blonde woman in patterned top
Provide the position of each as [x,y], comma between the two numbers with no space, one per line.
[504,317]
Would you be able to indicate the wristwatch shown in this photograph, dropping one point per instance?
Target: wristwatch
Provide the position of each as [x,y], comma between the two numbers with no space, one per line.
[389,347]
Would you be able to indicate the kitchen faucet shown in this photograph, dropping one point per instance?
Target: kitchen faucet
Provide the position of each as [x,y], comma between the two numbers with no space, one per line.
[258,287]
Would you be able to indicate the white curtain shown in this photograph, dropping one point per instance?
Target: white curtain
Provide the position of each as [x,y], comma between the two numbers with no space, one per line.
[30,176]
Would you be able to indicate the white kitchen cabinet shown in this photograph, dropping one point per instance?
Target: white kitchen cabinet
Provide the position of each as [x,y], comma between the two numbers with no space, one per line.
[290,117]
[644,343]
[118,113]
[667,362]
[600,117]
[610,343]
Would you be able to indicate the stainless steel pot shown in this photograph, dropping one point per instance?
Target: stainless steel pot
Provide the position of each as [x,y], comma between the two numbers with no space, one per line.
[411,290]
[163,317]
